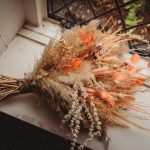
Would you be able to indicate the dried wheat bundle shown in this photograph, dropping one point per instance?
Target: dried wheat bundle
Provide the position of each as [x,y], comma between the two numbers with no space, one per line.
[85,77]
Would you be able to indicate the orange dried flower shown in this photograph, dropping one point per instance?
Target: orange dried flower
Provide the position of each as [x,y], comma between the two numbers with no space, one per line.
[135,58]
[138,82]
[148,65]
[120,77]
[130,70]
[90,91]
[103,94]
[74,64]
[87,39]
[111,102]
[66,69]
[104,72]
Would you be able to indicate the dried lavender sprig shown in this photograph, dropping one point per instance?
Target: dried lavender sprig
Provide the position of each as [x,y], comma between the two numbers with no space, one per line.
[96,117]
[72,110]
[92,124]
[75,125]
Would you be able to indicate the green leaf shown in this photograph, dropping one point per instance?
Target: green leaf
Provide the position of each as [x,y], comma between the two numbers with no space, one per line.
[131,18]
[125,1]
[128,7]
[130,23]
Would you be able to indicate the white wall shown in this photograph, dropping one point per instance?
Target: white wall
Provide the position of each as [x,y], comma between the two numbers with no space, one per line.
[11,20]
[34,10]
[14,13]
[2,46]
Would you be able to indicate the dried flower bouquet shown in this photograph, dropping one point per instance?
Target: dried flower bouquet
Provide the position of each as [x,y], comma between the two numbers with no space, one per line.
[84,77]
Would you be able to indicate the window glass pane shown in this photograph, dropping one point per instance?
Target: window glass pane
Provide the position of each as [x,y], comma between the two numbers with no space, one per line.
[54,5]
[81,11]
[114,22]
[143,30]
[64,14]
[101,6]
